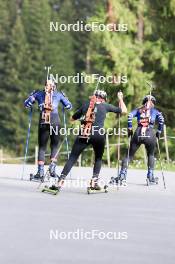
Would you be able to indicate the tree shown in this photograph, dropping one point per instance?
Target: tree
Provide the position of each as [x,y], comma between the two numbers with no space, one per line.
[4,37]
[15,72]
[60,49]
[160,55]
[121,53]
[35,17]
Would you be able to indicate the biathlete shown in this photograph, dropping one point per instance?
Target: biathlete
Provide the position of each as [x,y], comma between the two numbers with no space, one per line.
[147,115]
[94,113]
[49,124]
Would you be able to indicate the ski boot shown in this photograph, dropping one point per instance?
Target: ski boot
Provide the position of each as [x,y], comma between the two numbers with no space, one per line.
[95,188]
[119,180]
[94,184]
[52,171]
[53,176]
[151,179]
[60,182]
[39,176]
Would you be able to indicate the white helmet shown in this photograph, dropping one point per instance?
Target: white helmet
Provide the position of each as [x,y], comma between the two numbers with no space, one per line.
[100,93]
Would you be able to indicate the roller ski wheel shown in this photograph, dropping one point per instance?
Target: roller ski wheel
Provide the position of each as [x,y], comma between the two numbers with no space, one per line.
[156,180]
[147,182]
[52,190]
[122,183]
[31,177]
[106,188]
[91,190]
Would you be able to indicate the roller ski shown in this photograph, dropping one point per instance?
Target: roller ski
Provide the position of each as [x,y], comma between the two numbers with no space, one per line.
[151,180]
[39,176]
[119,180]
[55,185]
[95,188]
[52,187]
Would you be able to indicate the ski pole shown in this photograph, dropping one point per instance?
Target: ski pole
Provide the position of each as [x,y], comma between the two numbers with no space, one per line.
[66,137]
[118,149]
[151,87]
[161,165]
[27,142]
[96,88]
[129,144]
[65,127]
[48,68]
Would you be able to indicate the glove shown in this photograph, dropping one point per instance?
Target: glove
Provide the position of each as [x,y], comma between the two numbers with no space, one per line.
[158,134]
[130,132]
[69,107]
[28,104]
[120,95]
[29,101]
[41,107]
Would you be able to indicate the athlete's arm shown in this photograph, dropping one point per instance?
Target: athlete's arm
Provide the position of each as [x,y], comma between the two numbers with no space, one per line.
[122,107]
[121,103]
[160,119]
[31,99]
[113,109]
[130,117]
[80,112]
[65,102]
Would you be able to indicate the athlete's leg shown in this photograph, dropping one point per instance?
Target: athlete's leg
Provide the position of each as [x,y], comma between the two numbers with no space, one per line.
[43,136]
[133,148]
[134,145]
[54,141]
[98,144]
[78,147]
[150,145]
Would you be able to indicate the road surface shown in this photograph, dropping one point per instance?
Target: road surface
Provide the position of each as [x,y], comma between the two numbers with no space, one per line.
[74,227]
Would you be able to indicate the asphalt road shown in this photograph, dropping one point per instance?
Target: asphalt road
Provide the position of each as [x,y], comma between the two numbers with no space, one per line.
[73,227]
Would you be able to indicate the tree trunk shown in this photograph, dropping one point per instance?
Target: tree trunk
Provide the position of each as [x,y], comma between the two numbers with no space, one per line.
[111,19]
[140,28]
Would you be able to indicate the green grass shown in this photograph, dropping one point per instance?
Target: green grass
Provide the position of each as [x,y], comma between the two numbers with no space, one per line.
[165,165]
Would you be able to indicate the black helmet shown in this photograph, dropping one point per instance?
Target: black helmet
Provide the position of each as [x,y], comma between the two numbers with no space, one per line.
[100,93]
[147,98]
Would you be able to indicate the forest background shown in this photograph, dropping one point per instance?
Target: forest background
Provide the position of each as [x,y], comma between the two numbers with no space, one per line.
[145,52]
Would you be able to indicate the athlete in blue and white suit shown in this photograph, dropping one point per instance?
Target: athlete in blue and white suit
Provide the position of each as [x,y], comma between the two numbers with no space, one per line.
[148,138]
[44,131]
